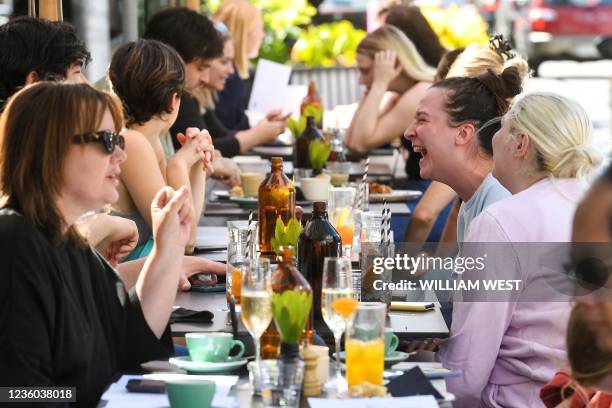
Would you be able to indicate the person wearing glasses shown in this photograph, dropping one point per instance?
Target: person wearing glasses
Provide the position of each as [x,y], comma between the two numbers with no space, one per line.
[149,78]
[543,156]
[67,319]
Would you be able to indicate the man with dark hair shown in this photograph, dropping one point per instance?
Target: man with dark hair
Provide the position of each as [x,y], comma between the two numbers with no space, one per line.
[32,50]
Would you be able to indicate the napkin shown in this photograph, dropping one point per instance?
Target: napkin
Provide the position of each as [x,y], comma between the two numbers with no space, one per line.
[411,383]
[182,315]
[412,306]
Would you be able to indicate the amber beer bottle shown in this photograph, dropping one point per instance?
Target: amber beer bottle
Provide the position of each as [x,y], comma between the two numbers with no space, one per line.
[270,342]
[318,240]
[301,159]
[312,99]
[276,198]
[286,278]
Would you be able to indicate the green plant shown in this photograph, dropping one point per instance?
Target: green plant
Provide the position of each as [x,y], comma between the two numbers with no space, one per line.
[297,126]
[290,310]
[285,235]
[319,152]
[327,45]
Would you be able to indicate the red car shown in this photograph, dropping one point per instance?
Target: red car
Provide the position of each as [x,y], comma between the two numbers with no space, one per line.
[563,29]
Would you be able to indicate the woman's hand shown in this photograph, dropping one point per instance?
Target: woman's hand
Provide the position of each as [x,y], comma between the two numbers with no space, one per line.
[227,171]
[172,215]
[197,145]
[277,115]
[193,265]
[386,68]
[268,131]
[121,240]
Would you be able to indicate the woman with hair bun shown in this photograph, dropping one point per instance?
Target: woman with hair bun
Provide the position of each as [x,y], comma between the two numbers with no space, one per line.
[509,349]
[453,128]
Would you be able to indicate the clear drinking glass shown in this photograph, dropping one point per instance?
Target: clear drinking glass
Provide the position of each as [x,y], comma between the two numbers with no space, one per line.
[256,305]
[365,345]
[281,382]
[338,308]
[340,210]
[237,252]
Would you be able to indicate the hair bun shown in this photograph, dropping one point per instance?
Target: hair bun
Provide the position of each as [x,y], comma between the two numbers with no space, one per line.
[504,87]
[577,161]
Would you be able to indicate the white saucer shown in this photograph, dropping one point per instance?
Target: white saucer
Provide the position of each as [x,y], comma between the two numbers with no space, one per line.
[394,357]
[186,364]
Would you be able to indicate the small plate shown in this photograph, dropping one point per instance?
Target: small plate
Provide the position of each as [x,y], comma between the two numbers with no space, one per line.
[395,196]
[221,194]
[246,202]
[196,367]
[395,357]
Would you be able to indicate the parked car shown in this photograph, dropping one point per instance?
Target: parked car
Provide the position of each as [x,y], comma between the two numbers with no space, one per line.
[543,30]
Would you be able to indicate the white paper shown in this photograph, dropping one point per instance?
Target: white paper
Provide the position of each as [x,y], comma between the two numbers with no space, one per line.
[118,397]
[421,401]
[270,86]
[293,100]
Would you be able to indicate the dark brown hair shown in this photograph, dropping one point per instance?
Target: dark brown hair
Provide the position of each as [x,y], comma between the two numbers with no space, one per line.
[36,131]
[145,75]
[588,361]
[481,101]
[413,24]
[445,63]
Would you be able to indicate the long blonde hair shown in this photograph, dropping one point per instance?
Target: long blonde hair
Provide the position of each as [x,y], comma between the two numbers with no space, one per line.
[389,37]
[560,130]
[239,16]
[478,58]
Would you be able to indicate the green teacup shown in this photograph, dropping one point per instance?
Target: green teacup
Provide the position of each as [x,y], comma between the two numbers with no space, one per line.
[213,347]
[190,393]
[391,342]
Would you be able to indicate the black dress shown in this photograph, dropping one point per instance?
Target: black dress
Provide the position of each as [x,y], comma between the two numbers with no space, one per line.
[65,317]
[189,116]
[233,101]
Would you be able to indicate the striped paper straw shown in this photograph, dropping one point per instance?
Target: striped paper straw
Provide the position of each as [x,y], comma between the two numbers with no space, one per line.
[383,222]
[362,187]
[388,227]
[249,235]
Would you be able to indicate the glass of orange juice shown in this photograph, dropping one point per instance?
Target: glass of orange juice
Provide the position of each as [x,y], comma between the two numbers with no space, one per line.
[365,345]
[340,210]
[238,250]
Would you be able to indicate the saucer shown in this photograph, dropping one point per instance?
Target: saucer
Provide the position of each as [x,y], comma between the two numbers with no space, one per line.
[394,357]
[186,364]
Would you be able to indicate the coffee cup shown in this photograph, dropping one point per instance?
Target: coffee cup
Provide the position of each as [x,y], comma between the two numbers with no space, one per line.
[251,182]
[213,347]
[185,393]
[316,188]
[391,342]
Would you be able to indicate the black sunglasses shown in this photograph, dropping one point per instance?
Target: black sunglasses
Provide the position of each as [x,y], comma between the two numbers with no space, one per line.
[108,139]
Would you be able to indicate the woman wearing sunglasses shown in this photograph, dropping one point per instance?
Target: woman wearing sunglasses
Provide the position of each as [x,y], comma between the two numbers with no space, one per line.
[149,77]
[66,317]
[508,349]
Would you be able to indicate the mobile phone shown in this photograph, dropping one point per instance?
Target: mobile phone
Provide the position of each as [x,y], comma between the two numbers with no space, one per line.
[146,386]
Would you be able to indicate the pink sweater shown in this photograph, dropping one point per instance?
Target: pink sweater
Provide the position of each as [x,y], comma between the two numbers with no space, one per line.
[509,350]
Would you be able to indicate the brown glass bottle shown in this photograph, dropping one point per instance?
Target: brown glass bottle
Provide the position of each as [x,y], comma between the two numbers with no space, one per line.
[301,159]
[270,342]
[276,198]
[291,302]
[318,240]
[313,99]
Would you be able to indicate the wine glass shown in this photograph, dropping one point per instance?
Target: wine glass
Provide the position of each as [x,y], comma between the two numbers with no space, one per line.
[256,304]
[338,308]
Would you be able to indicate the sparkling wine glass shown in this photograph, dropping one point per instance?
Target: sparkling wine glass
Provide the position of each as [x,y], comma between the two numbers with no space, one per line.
[338,309]
[256,306]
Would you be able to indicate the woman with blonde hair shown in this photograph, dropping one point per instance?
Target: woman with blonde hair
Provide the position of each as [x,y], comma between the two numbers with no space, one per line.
[245,24]
[541,155]
[388,62]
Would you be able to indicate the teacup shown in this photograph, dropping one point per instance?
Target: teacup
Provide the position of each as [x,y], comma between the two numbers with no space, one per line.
[213,347]
[251,183]
[391,342]
[316,188]
[186,393]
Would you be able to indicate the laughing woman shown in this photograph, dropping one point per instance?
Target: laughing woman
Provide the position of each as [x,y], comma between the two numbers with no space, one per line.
[509,349]
[67,320]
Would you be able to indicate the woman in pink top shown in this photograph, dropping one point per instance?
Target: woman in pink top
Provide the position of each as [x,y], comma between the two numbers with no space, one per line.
[509,350]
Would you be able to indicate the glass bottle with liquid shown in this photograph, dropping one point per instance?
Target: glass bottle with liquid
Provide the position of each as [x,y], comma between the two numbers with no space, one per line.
[276,199]
[301,159]
[291,303]
[318,240]
[337,148]
[313,99]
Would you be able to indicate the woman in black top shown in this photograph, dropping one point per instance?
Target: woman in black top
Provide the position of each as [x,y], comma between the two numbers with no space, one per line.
[66,317]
